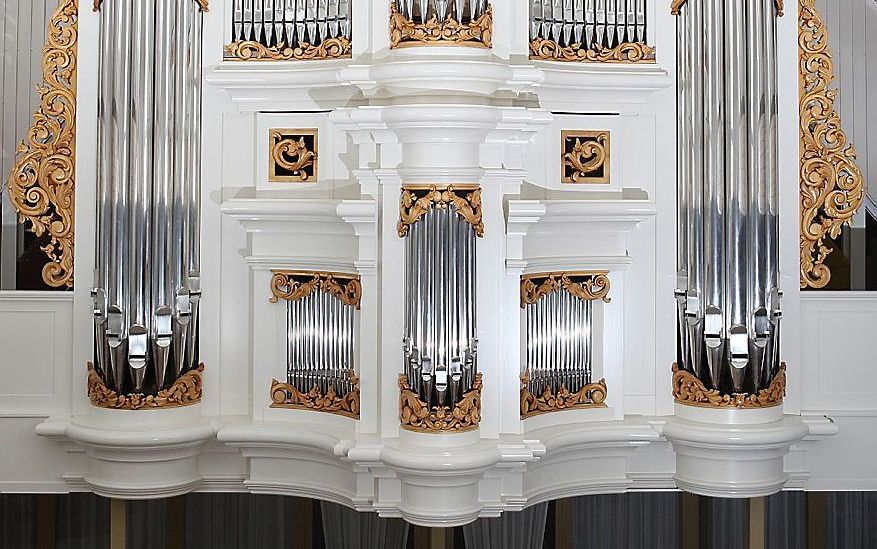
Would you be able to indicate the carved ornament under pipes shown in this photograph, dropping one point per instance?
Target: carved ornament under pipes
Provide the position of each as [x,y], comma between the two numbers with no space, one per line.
[450,32]
[591,395]
[416,200]
[185,391]
[584,157]
[689,390]
[293,155]
[585,285]
[832,186]
[42,184]
[295,285]
[249,50]
[415,415]
[626,52]
[285,395]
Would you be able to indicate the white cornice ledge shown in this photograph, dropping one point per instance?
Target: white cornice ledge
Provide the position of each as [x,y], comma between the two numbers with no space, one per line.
[274,214]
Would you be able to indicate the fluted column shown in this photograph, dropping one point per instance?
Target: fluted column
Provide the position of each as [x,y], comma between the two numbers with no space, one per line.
[147,270]
[728,278]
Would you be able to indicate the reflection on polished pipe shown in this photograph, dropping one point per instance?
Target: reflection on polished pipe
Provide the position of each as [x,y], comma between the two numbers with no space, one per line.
[421,11]
[728,311]
[147,269]
[440,342]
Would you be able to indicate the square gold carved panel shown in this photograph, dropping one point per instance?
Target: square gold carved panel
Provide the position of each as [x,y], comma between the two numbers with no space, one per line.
[584,156]
[292,155]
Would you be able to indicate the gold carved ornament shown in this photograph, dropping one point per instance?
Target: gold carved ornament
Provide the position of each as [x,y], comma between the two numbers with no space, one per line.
[415,415]
[42,183]
[184,392]
[626,52]
[586,157]
[285,395]
[293,155]
[295,285]
[689,390]
[416,201]
[676,5]
[249,50]
[404,32]
[591,395]
[832,186]
[592,286]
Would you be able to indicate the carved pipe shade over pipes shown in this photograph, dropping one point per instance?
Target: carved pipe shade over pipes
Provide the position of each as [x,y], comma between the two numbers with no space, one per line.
[728,288]
[147,289]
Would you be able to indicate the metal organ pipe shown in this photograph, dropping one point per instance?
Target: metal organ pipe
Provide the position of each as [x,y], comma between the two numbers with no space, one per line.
[148,214]
[727,292]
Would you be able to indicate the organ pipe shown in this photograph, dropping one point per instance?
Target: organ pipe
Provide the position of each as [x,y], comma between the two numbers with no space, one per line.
[147,267]
[728,311]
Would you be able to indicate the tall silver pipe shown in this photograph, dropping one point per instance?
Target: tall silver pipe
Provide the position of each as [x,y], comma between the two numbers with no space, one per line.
[727,263]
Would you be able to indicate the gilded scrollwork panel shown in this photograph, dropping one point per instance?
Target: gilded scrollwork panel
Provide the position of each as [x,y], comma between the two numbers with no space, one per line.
[416,200]
[185,391]
[294,285]
[293,155]
[689,390]
[249,50]
[544,49]
[585,285]
[286,395]
[42,183]
[585,156]
[416,415]
[404,32]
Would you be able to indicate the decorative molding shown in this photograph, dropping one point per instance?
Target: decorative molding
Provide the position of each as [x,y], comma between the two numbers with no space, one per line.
[185,391]
[285,395]
[584,156]
[689,390]
[405,33]
[415,415]
[42,182]
[676,5]
[832,186]
[295,285]
[626,52]
[249,50]
[293,155]
[585,285]
[591,395]
[416,200]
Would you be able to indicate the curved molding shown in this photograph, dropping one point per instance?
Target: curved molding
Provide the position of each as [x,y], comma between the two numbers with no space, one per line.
[42,182]
[832,186]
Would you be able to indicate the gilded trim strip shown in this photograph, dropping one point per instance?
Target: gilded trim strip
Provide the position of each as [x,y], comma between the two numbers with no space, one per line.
[42,183]
[295,285]
[587,159]
[689,390]
[416,200]
[285,395]
[415,415]
[591,395]
[185,391]
[626,52]
[832,186]
[406,33]
[585,285]
[293,155]
[249,50]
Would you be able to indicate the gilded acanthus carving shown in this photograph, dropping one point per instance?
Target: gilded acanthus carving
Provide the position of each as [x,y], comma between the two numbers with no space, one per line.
[688,389]
[42,182]
[295,285]
[415,201]
[249,50]
[591,395]
[587,286]
[404,32]
[585,156]
[626,52]
[292,157]
[415,415]
[832,186]
[185,391]
[285,395]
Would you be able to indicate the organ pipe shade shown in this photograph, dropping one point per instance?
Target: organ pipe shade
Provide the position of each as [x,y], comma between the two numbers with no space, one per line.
[147,269]
[440,339]
[728,275]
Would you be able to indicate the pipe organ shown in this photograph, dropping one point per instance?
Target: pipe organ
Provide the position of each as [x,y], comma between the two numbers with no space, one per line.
[147,268]
[420,12]
[728,278]
[290,23]
[440,345]
[588,24]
